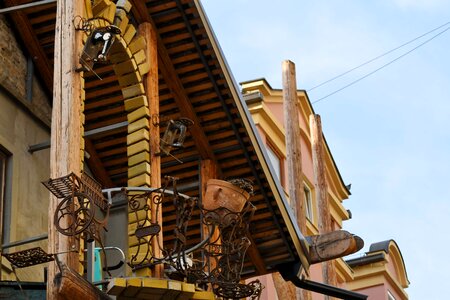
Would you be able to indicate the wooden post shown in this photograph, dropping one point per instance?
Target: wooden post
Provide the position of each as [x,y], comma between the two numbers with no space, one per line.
[291,106]
[321,188]
[66,153]
[285,289]
[151,85]
[208,170]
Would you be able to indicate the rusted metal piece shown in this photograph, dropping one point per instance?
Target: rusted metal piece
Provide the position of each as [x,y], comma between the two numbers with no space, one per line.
[145,233]
[175,134]
[221,260]
[151,230]
[83,208]
[73,214]
[63,186]
[28,258]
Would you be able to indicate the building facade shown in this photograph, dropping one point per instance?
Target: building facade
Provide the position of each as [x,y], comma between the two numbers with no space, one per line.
[388,276]
[24,121]
[380,273]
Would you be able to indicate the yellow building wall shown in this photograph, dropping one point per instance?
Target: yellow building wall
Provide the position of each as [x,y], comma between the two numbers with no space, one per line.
[29,198]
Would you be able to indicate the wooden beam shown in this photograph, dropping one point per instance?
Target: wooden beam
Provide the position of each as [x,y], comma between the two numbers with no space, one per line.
[140,11]
[67,150]
[72,286]
[332,245]
[175,85]
[31,42]
[184,105]
[291,107]
[208,170]
[321,189]
[256,258]
[96,166]
[284,289]
[152,92]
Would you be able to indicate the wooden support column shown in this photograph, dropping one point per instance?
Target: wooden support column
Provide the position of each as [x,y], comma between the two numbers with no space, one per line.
[285,289]
[208,170]
[291,108]
[321,189]
[151,86]
[66,153]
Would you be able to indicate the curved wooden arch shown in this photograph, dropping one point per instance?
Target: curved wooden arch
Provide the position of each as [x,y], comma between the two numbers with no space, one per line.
[130,65]
[128,58]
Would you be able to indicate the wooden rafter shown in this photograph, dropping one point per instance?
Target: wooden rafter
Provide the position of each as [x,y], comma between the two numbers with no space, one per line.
[96,166]
[175,85]
[31,42]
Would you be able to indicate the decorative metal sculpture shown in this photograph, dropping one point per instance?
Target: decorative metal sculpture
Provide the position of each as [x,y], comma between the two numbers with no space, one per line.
[76,212]
[82,210]
[98,44]
[175,134]
[29,257]
[217,261]
[226,252]
[148,229]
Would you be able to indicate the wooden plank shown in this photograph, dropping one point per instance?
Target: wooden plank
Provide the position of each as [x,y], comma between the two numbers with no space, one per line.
[116,286]
[175,86]
[256,258]
[66,131]
[291,108]
[284,289]
[133,91]
[137,136]
[321,189]
[332,245]
[96,166]
[151,84]
[72,286]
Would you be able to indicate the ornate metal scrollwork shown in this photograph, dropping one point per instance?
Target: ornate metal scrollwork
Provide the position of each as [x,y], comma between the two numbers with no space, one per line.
[218,260]
[29,257]
[73,214]
[147,229]
[83,208]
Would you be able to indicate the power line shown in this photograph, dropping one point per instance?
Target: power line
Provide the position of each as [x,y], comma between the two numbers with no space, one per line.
[383,66]
[378,57]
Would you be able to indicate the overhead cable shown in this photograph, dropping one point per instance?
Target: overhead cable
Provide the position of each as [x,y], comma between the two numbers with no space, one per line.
[383,66]
[378,57]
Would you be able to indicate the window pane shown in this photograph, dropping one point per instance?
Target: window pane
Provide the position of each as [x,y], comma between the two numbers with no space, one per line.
[390,296]
[308,203]
[275,161]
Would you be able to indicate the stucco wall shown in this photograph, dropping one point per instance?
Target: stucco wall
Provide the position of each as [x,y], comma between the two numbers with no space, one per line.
[23,123]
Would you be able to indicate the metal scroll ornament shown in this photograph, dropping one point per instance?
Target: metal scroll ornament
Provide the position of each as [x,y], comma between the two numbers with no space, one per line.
[29,257]
[147,229]
[81,208]
[217,261]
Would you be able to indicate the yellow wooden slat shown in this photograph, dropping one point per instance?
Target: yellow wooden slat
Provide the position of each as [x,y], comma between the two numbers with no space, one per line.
[137,136]
[141,123]
[133,91]
[136,102]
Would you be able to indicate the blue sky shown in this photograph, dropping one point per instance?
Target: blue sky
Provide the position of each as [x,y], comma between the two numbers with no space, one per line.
[389,133]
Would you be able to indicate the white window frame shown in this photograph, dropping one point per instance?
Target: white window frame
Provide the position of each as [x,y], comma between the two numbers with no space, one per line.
[275,160]
[308,198]
[390,296]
